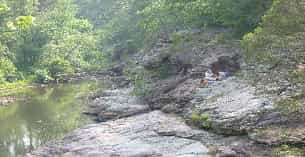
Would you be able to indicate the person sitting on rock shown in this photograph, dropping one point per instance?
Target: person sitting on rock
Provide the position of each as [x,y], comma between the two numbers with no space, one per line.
[211,77]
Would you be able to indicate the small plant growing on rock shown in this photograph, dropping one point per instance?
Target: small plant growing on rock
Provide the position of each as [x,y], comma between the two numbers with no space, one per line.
[201,120]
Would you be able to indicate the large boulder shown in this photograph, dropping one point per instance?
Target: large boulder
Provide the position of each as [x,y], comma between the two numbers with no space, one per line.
[163,95]
[116,103]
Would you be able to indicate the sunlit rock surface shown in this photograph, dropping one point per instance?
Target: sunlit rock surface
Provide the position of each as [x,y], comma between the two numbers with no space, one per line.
[152,134]
[233,106]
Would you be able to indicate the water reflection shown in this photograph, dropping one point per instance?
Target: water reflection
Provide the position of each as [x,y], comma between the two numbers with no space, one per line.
[49,114]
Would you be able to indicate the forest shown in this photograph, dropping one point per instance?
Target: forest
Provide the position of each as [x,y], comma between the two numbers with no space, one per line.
[42,40]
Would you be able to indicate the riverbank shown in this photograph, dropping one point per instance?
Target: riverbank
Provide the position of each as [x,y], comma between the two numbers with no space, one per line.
[9,92]
[12,92]
[133,129]
[180,116]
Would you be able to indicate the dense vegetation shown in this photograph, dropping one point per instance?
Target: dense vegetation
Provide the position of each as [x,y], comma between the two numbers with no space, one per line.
[49,38]
[45,39]
[281,33]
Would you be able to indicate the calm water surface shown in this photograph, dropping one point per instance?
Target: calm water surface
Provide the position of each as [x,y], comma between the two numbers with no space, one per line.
[48,114]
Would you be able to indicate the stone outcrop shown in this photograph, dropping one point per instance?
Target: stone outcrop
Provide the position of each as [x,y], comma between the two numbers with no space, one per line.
[149,135]
[277,136]
[232,107]
[153,134]
[115,104]
[165,94]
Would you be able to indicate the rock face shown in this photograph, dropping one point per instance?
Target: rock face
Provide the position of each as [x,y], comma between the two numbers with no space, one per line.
[279,135]
[233,106]
[164,95]
[148,135]
[115,104]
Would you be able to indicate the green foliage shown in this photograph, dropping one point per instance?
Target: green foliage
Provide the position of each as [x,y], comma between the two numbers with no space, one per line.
[202,120]
[15,88]
[13,77]
[65,36]
[3,8]
[280,34]
[6,66]
[24,22]
[141,80]
[59,67]
[42,76]
[241,15]
[46,39]
[127,26]
[178,40]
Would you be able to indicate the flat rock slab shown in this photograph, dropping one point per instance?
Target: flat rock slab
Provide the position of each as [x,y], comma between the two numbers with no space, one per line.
[115,104]
[233,106]
[152,134]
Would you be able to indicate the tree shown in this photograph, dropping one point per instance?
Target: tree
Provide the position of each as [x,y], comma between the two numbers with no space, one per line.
[281,33]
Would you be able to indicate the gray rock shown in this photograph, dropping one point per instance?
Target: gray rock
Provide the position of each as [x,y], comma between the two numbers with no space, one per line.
[279,135]
[234,107]
[117,103]
[172,94]
[153,134]
[148,135]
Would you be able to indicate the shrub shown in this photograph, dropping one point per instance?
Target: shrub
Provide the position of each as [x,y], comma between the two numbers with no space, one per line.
[42,76]
[141,80]
[202,120]
[281,33]
[13,77]
[58,67]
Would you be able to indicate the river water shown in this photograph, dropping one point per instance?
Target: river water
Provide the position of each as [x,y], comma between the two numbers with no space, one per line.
[47,114]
